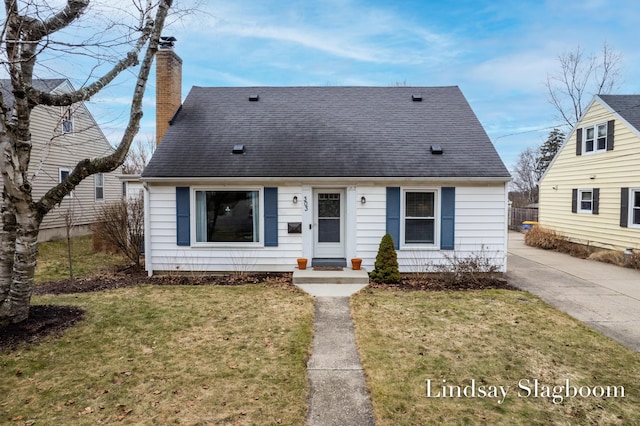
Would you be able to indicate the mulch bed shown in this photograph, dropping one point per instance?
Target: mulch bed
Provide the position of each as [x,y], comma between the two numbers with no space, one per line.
[45,320]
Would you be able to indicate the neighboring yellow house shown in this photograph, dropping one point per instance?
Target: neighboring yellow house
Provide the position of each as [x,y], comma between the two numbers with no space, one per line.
[62,136]
[591,191]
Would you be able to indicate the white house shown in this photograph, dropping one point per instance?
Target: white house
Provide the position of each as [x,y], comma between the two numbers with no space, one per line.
[251,178]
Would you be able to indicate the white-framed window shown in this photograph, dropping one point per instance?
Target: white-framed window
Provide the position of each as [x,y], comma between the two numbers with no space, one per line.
[66,120]
[634,207]
[594,138]
[227,216]
[63,173]
[419,217]
[98,180]
[585,201]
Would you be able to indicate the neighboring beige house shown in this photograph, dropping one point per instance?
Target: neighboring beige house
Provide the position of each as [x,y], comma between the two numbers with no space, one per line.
[591,191]
[61,137]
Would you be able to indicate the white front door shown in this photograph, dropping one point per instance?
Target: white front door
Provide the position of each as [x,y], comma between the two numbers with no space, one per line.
[328,218]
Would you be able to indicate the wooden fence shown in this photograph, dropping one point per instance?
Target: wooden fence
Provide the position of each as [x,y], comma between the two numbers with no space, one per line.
[518,215]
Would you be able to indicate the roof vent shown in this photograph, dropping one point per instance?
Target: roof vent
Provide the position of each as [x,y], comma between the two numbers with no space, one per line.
[254,98]
[416,98]
[436,149]
[238,149]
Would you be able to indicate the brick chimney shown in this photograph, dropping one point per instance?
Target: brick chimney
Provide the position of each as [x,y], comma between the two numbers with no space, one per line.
[168,85]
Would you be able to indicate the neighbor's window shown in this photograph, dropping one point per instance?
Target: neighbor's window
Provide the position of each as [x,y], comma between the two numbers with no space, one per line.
[595,138]
[62,175]
[99,185]
[634,207]
[67,120]
[585,201]
[419,217]
[227,216]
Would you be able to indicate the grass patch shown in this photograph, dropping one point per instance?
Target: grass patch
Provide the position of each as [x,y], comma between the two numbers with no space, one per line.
[496,338]
[53,263]
[162,355]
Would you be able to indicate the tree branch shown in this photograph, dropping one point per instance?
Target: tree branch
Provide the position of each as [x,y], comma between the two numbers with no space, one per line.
[109,163]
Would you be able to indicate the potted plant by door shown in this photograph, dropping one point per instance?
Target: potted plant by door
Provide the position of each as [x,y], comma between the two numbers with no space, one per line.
[355,263]
[302,263]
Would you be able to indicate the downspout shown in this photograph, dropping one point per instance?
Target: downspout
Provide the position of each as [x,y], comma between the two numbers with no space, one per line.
[147,231]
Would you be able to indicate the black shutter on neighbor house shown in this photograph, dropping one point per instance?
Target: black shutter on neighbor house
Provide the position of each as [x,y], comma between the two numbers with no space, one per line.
[624,207]
[183,231]
[595,208]
[393,214]
[579,142]
[447,218]
[574,201]
[271,217]
[610,132]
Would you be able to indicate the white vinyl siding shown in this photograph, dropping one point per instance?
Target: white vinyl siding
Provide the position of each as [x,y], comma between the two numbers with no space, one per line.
[480,228]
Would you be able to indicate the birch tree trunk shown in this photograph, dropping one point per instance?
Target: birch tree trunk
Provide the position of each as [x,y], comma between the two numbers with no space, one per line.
[24,38]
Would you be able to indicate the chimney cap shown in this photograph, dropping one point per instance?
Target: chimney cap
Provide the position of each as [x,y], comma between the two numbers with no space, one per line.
[167,42]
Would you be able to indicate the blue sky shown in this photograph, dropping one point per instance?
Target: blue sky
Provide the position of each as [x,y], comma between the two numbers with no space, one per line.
[498,52]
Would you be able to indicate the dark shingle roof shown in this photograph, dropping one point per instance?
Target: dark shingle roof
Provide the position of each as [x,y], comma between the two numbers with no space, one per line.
[44,85]
[628,106]
[325,132]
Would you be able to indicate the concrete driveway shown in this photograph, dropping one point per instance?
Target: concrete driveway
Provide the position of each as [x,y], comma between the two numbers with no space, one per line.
[603,296]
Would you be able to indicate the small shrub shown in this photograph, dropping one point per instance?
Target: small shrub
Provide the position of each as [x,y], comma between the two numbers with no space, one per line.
[121,224]
[386,268]
[542,238]
[632,261]
[608,256]
[476,268]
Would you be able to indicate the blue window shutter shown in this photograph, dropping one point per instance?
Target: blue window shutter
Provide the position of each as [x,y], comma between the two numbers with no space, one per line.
[393,214]
[271,217]
[448,218]
[183,221]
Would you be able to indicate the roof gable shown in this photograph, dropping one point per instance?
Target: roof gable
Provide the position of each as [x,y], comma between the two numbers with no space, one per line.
[625,106]
[325,132]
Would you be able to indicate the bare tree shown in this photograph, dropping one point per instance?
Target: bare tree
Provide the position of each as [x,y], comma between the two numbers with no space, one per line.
[121,224]
[580,78]
[526,175]
[138,156]
[29,32]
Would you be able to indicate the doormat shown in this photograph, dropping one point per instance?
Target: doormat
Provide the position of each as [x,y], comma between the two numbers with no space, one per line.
[327,268]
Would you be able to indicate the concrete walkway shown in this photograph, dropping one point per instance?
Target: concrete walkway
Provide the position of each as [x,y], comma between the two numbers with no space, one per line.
[339,395]
[604,296]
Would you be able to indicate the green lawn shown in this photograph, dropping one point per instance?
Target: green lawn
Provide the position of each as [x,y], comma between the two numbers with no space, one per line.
[163,355]
[490,339]
[53,262]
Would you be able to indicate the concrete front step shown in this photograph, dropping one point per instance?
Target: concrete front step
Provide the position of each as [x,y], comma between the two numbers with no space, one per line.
[345,276]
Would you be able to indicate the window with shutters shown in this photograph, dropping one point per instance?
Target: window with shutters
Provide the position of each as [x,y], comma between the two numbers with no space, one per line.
[585,201]
[420,212]
[594,138]
[223,216]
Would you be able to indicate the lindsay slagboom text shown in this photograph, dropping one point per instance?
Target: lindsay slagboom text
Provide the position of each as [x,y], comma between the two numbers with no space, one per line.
[525,388]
